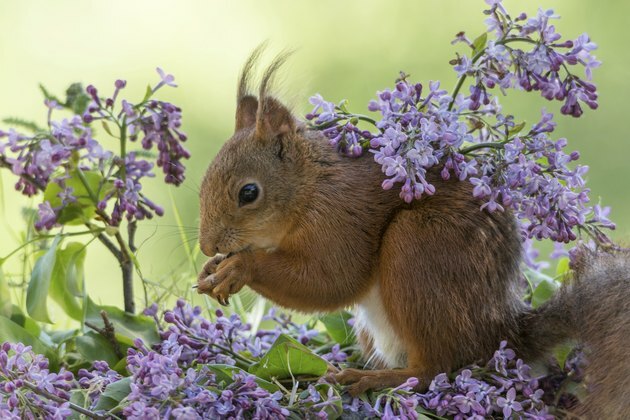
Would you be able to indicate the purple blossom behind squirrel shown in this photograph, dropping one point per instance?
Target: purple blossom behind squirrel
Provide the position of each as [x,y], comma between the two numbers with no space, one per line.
[466,134]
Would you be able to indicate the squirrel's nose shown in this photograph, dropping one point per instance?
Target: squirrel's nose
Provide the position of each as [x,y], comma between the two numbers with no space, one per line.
[209,250]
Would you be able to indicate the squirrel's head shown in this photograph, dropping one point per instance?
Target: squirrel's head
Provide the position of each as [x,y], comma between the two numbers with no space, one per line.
[248,190]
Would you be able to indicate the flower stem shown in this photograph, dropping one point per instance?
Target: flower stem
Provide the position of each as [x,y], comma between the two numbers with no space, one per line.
[502,41]
[123,149]
[60,400]
[126,265]
[477,146]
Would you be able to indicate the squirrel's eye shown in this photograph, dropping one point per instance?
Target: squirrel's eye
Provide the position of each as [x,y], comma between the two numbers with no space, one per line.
[248,194]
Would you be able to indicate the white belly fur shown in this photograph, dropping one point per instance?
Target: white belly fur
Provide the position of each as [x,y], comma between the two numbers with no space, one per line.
[371,319]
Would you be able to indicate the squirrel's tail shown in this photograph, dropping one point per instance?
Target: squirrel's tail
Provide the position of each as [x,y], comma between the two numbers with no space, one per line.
[594,308]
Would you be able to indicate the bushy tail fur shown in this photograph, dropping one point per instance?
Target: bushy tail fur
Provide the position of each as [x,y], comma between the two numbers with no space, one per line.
[594,308]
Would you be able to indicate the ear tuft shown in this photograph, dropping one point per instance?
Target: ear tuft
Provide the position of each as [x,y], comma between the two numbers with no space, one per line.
[273,118]
[246,103]
[269,117]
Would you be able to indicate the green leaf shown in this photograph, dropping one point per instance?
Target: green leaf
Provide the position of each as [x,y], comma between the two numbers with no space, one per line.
[516,129]
[479,43]
[39,286]
[107,129]
[561,353]
[13,333]
[337,327]
[127,327]
[76,98]
[32,326]
[536,276]
[543,292]
[288,358]
[18,122]
[343,106]
[49,95]
[94,346]
[29,324]
[147,94]
[80,104]
[114,393]
[6,308]
[77,397]
[83,209]
[67,279]
[60,337]
[225,373]
[121,367]
[562,269]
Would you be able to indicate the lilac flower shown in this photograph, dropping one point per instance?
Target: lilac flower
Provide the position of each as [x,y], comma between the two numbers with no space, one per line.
[335,355]
[47,218]
[96,380]
[166,79]
[501,357]
[600,216]
[18,366]
[468,404]
[509,404]
[323,112]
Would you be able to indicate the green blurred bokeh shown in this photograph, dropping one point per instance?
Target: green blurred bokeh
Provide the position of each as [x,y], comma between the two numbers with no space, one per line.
[345,49]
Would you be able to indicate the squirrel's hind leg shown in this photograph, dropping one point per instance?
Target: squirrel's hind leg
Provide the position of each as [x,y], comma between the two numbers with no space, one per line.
[360,381]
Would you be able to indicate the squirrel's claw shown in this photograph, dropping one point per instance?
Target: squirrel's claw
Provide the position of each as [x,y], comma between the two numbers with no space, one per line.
[223,276]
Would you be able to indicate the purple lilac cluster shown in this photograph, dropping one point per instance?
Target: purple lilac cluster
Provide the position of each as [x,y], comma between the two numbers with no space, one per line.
[400,402]
[424,133]
[176,368]
[68,150]
[284,324]
[545,67]
[162,387]
[196,339]
[94,381]
[24,376]
[175,379]
[507,389]
[504,388]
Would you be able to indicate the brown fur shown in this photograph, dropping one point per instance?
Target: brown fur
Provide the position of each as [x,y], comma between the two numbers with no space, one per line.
[593,308]
[323,232]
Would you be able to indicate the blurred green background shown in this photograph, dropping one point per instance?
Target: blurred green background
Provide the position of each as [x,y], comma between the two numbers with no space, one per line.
[344,49]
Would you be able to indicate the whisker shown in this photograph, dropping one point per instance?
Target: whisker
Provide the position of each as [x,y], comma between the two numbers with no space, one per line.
[170,226]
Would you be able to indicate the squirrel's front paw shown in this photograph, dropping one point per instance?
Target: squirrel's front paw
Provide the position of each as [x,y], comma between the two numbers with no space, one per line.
[210,267]
[223,276]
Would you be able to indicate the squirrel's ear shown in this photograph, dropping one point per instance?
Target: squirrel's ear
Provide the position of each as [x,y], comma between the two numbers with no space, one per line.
[273,119]
[246,112]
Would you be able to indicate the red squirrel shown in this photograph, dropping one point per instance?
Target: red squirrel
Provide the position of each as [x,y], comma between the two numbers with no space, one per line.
[434,282]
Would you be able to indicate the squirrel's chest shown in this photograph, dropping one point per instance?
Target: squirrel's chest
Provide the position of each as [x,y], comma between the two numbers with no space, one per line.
[371,319]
